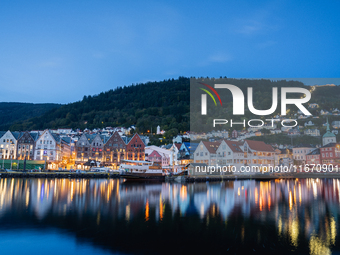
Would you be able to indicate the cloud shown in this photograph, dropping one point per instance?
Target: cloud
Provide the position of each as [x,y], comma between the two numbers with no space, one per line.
[251,28]
[219,58]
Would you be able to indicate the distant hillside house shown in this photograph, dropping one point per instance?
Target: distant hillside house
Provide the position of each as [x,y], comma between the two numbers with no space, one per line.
[336,124]
[312,132]
[309,123]
[313,105]
[234,134]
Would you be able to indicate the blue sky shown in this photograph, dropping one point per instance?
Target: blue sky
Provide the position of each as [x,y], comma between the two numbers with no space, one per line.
[59,51]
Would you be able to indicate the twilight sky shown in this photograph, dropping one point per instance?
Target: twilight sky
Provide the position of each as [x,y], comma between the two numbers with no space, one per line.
[59,51]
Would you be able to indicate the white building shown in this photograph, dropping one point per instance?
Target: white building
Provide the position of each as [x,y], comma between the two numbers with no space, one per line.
[166,156]
[312,132]
[258,153]
[177,139]
[8,145]
[206,153]
[300,152]
[51,147]
[309,123]
[230,153]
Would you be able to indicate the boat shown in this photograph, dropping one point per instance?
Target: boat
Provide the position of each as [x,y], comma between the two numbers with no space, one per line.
[104,170]
[141,170]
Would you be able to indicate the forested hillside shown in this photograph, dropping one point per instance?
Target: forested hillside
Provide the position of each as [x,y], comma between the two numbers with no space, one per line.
[13,112]
[147,105]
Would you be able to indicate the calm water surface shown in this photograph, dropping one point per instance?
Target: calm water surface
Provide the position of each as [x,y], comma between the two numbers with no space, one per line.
[110,216]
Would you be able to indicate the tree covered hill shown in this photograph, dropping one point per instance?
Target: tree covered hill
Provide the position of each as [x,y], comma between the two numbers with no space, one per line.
[13,112]
[164,103]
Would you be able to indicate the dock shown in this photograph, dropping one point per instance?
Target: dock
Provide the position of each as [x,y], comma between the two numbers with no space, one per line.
[57,175]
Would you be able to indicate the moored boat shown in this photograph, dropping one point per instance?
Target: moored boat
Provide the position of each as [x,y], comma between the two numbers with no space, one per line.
[141,170]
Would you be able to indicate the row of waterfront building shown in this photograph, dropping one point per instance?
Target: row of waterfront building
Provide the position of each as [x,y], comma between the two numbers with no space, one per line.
[257,153]
[83,150]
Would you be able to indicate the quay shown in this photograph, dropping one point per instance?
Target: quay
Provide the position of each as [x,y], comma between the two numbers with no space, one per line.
[57,175]
[196,178]
[261,177]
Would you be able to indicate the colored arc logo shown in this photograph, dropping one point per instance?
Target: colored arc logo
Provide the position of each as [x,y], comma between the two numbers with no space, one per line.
[208,92]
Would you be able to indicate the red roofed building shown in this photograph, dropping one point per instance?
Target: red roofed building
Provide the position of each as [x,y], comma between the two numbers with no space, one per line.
[258,153]
[313,157]
[135,148]
[330,154]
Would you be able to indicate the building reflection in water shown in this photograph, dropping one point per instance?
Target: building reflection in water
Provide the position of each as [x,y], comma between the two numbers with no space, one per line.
[303,212]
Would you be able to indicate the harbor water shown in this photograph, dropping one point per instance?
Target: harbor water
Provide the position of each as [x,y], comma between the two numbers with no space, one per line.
[112,216]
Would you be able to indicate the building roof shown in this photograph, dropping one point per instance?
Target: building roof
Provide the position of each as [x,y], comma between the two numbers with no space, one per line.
[259,146]
[178,145]
[234,146]
[212,146]
[56,137]
[167,146]
[329,145]
[190,146]
[66,139]
[301,145]
[16,135]
[314,152]
[34,135]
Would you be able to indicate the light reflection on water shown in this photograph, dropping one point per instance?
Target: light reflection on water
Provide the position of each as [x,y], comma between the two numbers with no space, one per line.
[278,216]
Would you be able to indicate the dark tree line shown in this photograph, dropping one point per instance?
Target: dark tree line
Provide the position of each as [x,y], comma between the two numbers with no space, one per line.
[146,105]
